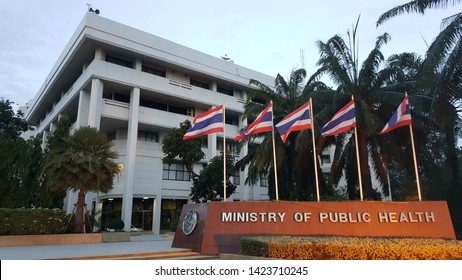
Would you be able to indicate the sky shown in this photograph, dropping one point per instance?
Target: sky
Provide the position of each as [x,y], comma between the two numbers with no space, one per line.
[267,36]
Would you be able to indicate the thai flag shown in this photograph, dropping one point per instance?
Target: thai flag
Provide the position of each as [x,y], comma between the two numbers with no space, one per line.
[299,119]
[343,120]
[206,123]
[263,123]
[401,117]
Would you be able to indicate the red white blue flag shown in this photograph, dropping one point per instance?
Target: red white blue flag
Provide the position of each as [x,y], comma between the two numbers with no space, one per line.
[299,119]
[401,117]
[343,120]
[206,123]
[263,123]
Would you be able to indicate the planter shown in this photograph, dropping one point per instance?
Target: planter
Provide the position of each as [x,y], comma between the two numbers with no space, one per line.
[121,236]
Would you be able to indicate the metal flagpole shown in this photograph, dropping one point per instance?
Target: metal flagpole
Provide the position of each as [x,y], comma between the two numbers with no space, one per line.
[314,151]
[415,163]
[357,161]
[224,154]
[274,155]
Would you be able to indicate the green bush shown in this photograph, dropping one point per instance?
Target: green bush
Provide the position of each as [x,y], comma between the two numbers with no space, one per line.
[351,248]
[31,221]
[116,224]
[174,224]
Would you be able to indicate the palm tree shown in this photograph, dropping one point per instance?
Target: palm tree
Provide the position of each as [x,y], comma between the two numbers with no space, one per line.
[295,170]
[440,74]
[84,162]
[365,83]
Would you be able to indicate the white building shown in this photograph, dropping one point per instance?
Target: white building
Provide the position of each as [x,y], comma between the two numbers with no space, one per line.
[135,87]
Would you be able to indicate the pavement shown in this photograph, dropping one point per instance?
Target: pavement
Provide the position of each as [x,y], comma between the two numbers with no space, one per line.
[145,243]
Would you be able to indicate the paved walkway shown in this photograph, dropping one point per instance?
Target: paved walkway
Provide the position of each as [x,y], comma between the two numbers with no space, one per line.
[137,244]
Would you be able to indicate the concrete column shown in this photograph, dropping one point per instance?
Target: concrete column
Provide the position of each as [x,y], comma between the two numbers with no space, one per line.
[45,134]
[100,54]
[156,214]
[132,138]
[214,86]
[96,103]
[138,64]
[244,190]
[82,111]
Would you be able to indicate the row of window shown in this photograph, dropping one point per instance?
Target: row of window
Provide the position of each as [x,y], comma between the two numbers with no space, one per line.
[179,172]
[162,73]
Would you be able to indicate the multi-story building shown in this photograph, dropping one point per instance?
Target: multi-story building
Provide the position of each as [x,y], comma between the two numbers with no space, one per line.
[136,87]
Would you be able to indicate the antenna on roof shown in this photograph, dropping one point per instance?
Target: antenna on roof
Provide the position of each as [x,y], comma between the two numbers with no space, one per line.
[226,58]
[90,9]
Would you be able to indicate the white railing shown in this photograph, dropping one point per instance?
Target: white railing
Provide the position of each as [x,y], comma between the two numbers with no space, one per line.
[178,84]
[116,103]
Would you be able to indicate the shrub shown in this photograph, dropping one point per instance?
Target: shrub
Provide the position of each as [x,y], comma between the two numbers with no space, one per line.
[351,248]
[31,221]
[116,224]
[174,224]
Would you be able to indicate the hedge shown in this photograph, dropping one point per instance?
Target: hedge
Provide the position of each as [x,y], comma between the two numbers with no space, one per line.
[351,248]
[31,221]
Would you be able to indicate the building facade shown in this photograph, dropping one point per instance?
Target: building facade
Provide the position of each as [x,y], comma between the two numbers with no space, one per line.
[136,87]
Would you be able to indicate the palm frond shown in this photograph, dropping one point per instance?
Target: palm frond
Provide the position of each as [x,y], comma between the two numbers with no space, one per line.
[416,6]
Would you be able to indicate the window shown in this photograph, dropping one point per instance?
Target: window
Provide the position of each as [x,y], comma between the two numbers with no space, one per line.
[199,84]
[111,136]
[152,70]
[232,120]
[231,147]
[121,97]
[153,104]
[175,172]
[264,181]
[148,136]
[325,159]
[236,177]
[119,61]
[225,90]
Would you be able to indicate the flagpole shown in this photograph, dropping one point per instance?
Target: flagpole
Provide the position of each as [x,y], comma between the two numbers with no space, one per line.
[357,162]
[415,163]
[314,151]
[274,154]
[224,153]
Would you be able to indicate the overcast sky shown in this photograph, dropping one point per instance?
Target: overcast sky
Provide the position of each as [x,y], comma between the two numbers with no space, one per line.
[264,35]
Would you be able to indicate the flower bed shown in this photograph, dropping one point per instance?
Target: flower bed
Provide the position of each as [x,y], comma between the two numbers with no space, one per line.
[351,248]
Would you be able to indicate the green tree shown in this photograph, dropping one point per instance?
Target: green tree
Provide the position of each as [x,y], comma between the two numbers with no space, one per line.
[173,147]
[208,186]
[85,162]
[55,198]
[295,157]
[339,60]
[441,78]
[441,72]
[20,161]
[11,124]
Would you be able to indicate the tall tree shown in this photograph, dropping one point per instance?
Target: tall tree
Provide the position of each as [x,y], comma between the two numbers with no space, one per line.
[294,158]
[85,162]
[339,60]
[54,198]
[189,152]
[20,161]
[440,74]
[208,184]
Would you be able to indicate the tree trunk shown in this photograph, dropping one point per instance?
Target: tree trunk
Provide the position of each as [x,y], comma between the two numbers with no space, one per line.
[368,192]
[80,208]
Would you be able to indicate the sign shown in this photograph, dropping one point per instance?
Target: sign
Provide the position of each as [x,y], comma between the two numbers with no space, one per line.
[220,225]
